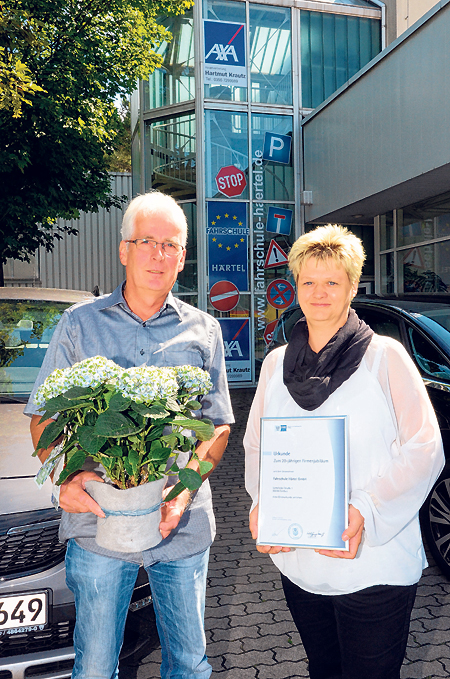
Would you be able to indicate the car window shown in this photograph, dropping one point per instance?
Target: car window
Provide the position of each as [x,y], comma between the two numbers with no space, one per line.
[381,323]
[26,328]
[428,358]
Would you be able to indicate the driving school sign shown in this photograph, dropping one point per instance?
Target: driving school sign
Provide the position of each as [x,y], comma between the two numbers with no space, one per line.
[231,181]
[225,53]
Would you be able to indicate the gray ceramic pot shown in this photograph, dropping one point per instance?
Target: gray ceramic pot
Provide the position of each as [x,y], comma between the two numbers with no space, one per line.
[132,515]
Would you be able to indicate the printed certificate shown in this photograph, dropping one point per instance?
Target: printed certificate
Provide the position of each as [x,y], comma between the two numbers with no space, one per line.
[303,483]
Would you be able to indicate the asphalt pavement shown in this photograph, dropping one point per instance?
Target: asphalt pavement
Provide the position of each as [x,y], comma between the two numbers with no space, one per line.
[249,630]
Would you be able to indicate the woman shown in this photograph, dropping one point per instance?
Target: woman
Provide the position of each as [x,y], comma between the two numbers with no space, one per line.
[352,609]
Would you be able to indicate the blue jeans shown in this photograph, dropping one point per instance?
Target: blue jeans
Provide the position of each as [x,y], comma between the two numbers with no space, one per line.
[103,587]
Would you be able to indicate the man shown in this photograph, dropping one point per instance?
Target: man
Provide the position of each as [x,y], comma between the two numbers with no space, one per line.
[142,323]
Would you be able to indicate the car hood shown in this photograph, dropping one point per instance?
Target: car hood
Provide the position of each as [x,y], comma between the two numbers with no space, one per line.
[18,489]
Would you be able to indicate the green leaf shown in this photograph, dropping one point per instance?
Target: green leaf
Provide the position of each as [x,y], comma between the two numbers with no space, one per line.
[158,452]
[134,459]
[204,429]
[114,425]
[57,404]
[193,405]
[127,466]
[153,411]
[176,490]
[190,478]
[205,466]
[114,451]
[173,405]
[76,393]
[51,432]
[155,432]
[119,403]
[89,440]
[75,463]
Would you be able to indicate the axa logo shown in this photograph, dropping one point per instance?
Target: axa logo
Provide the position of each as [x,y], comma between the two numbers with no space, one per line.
[222,52]
[232,346]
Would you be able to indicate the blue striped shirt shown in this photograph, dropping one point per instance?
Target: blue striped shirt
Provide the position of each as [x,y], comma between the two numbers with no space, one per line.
[178,334]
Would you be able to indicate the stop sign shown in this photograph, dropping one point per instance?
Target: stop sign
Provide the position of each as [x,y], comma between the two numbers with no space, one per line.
[268,332]
[231,181]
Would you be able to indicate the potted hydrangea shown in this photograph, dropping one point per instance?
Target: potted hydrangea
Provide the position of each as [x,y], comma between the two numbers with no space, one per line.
[134,422]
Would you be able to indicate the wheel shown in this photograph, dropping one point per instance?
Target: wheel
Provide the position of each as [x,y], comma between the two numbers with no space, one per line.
[435,522]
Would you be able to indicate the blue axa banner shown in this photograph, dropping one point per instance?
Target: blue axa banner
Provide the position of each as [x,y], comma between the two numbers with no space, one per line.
[225,53]
[227,232]
[236,342]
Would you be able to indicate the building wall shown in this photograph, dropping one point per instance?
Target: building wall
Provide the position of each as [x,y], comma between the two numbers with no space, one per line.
[409,11]
[80,262]
[388,127]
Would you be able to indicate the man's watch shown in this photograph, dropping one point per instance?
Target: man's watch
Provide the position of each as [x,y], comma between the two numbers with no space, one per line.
[192,494]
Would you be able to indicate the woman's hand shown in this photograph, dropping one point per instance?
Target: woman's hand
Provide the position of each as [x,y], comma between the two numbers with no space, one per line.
[264,549]
[353,534]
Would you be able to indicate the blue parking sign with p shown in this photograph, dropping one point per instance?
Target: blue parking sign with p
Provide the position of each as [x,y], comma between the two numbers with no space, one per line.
[277,147]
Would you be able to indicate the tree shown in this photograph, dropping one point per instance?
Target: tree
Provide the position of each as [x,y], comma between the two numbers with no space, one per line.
[120,161]
[62,65]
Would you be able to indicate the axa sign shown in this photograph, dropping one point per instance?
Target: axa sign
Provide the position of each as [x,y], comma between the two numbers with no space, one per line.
[232,346]
[225,53]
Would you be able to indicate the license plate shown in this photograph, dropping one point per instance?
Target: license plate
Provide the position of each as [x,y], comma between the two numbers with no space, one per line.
[25,612]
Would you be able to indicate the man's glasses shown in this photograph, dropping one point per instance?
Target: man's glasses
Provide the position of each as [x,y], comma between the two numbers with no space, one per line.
[147,245]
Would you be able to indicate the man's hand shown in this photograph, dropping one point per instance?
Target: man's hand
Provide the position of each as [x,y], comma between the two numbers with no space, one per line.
[264,549]
[73,497]
[210,451]
[171,512]
[353,534]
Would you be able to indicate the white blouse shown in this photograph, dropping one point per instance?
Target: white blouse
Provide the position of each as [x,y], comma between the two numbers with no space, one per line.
[395,456]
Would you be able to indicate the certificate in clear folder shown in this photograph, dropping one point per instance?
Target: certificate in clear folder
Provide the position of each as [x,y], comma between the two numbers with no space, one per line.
[303,482]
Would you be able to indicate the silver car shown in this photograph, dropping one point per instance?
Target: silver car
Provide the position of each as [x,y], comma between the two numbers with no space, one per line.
[37,613]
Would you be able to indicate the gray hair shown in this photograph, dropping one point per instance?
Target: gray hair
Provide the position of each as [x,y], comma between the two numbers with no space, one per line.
[152,204]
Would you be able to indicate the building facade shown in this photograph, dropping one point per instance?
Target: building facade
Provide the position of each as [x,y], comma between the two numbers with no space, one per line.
[389,167]
[219,127]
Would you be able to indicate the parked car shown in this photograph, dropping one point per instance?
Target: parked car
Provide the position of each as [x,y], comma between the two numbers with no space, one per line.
[37,612]
[422,325]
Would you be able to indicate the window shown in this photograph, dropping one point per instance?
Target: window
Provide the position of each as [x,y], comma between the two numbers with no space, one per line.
[430,360]
[270,55]
[333,48]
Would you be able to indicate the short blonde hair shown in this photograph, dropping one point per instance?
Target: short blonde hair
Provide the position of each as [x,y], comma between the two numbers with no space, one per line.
[150,205]
[332,241]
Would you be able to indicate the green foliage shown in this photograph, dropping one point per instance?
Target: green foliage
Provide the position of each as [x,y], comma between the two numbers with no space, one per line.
[127,438]
[62,66]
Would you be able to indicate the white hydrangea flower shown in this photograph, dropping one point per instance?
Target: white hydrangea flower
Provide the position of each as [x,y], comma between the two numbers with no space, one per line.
[147,383]
[143,384]
[192,379]
[88,373]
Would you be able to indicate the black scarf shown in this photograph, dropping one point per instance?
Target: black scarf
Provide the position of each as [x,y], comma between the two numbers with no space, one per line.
[310,383]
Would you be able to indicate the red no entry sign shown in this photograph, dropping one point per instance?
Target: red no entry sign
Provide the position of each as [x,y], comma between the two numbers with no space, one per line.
[280,294]
[224,295]
[231,181]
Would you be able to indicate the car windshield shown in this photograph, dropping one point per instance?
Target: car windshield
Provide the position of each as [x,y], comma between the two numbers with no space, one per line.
[26,328]
[437,321]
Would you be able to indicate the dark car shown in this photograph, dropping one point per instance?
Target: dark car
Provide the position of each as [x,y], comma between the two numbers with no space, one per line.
[37,611]
[423,327]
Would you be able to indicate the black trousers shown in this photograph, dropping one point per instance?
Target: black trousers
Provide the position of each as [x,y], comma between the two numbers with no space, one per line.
[353,636]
